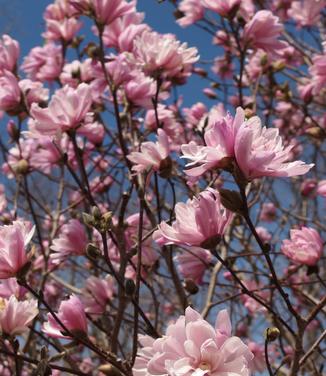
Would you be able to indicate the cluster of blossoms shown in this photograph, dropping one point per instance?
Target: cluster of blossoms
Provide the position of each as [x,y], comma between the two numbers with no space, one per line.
[121,200]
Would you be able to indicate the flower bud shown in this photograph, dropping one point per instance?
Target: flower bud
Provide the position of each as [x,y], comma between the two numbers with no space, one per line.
[271,334]
[232,200]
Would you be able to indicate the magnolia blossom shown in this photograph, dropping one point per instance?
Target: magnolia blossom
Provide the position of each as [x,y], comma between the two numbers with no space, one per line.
[67,110]
[151,155]
[10,287]
[191,346]
[9,53]
[71,241]
[72,315]
[97,293]
[268,212]
[106,11]
[222,7]
[33,91]
[321,188]
[304,247]
[306,12]
[43,63]
[13,242]
[257,150]
[199,222]
[77,72]
[263,30]
[193,262]
[10,93]
[163,54]
[192,11]
[16,316]
[318,73]
[60,29]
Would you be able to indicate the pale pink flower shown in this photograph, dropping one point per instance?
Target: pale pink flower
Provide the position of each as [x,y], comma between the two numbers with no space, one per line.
[192,346]
[33,91]
[13,243]
[106,11]
[152,155]
[259,151]
[304,247]
[194,114]
[77,72]
[263,31]
[10,287]
[192,11]
[9,53]
[193,262]
[164,55]
[97,293]
[318,73]
[10,94]
[72,240]
[258,364]
[268,212]
[321,188]
[306,12]
[199,222]
[45,156]
[94,132]
[223,67]
[72,314]
[222,7]
[122,32]
[61,29]
[16,316]
[140,90]
[43,63]
[250,303]
[67,109]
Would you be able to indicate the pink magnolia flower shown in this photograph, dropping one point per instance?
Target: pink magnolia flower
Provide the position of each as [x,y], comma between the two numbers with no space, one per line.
[318,73]
[77,72]
[192,11]
[193,262]
[308,187]
[163,54]
[10,287]
[15,316]
[43,63]
[67,110]
[304,247]
[10,94]
[122,32]
[258,364]
[222,7]
[72,314]
[250,303]
[140,90]
[194,114]
[321,188]
[306,12]
[9,53]
[264,234]
[263,30]
[192,346]
[199,222]
[106,11]
[13,242]
[97,293]
[33,91]
[152,155]
[71,241]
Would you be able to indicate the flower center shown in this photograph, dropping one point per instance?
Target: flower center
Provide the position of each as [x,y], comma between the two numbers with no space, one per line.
[204,366]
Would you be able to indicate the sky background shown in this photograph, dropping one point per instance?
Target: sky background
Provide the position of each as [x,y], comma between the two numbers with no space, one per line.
[23,20]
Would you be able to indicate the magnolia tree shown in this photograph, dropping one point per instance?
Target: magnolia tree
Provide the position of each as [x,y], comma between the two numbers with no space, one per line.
[143,237]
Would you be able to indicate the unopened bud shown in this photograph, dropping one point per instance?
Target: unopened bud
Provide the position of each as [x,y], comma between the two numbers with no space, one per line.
[278,66]
[21,167]
[96,212]
[130,287]
[316,132]
[109,370]
[271,334]
[232,200]
[92,251]
[190,286]
[165,168]
[88,219]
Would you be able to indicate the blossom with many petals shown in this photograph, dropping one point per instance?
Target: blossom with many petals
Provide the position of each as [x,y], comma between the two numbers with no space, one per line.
[318,72]
[263,31]
[10,93]
[67,110]
[222,7]
[9,53]
[43,63]
[151,155]
[71,241]
[13,242]
[16,316]
[72,315]
[304,247]
[199,222]
[306,12]
[191,10]
[192,346]
[106,11]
